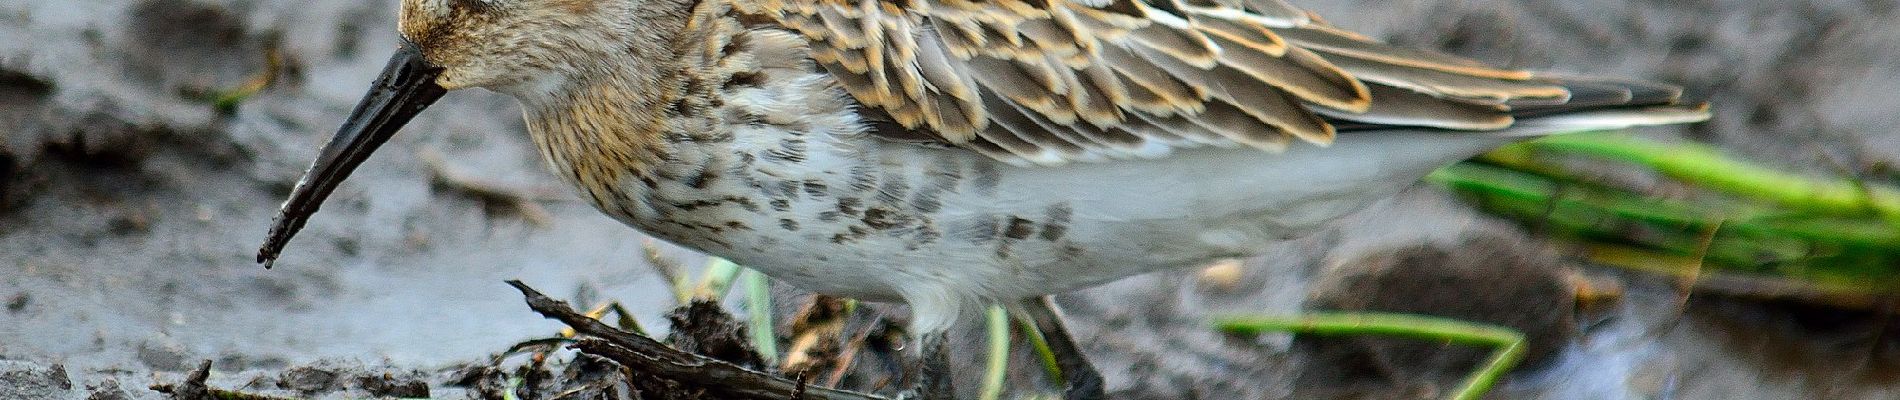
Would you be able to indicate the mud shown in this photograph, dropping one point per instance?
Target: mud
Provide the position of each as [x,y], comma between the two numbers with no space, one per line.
[1487,280]
[130,206]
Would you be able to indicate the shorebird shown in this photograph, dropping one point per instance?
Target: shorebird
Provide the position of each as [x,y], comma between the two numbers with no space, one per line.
[954,153]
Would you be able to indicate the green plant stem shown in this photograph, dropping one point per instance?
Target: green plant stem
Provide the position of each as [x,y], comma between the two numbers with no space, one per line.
[626,320]
[1704,166]
[1581,210]
[1850,251]
[718,280]
[998,363]
[1509,343]
[682,287]
[758,304]
[1043,352]
[514,387]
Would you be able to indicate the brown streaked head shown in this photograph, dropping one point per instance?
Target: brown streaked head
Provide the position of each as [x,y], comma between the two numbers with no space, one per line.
[519,47]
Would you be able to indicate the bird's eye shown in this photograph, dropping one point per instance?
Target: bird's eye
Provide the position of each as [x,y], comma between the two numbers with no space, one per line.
[477,6]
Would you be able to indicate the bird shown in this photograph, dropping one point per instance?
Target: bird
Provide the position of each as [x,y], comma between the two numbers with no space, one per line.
[950,154]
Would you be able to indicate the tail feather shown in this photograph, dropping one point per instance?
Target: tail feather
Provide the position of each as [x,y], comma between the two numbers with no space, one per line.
[1591,93]
[1606,118]
[1593,104]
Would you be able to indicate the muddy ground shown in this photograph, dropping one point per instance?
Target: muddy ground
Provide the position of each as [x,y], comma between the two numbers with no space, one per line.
[130,207]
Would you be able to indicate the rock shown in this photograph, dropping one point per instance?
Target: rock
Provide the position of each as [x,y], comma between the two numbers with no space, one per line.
[107,389]
[388,385]
[308,379]
[162,353]
[26,380]
[18,302]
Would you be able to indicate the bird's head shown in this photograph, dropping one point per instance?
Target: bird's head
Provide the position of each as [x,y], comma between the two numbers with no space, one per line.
[522,47]
[531,49]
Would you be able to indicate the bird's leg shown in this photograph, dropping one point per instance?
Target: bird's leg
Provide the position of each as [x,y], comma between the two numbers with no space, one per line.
[1080,376]
[933,378]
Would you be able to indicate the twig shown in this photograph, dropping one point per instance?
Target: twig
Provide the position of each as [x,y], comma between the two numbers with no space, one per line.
[543,343]
[625,320]
[804,381]
[194,387]
[650,356]
[848,355]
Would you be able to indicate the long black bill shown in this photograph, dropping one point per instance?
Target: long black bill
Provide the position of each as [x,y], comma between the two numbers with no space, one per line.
[406,87]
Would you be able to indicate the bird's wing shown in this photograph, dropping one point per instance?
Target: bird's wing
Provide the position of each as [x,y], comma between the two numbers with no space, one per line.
[1055,81]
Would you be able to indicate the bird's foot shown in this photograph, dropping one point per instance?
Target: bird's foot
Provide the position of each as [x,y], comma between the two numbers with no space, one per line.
[1078,374]
[932,380]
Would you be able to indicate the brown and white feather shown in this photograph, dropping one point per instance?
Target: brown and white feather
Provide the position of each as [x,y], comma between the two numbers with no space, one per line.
[1055,81]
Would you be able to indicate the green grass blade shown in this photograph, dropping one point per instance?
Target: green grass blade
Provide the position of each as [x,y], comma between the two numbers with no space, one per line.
[998,363]
[758,305]
[1508,342]
[718,280]
[1043,352]
[1704,166]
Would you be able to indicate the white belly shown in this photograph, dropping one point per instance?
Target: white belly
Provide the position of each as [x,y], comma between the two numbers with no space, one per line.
[887,221]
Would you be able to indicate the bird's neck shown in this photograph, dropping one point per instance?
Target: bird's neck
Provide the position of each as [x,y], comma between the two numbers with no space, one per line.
[682,139]
[609,128]
[601,136]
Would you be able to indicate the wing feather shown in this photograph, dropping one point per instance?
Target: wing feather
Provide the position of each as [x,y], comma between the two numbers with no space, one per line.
[1019,124]
[1055,81]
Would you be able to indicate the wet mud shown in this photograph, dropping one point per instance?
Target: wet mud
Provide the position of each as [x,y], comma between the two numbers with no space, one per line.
[131,201]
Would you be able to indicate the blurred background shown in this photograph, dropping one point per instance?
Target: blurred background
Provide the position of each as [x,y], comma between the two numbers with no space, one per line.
[145,145]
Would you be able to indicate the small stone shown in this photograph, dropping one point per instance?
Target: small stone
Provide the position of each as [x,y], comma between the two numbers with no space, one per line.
[1223,275]
[307,379]
[162,353]
[26,380]
[385,385]
[19,302]
[107,389]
